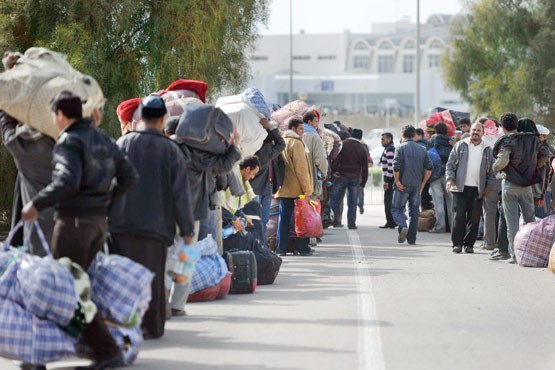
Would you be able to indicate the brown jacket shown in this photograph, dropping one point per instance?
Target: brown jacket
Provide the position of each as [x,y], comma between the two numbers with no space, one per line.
[297,179]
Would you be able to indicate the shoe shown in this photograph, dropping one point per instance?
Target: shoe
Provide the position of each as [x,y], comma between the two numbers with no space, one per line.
[468,250]
[387,226]
[511,260]
[309,253]
[26,366]
[282,254]
[338,225]
[411,242]
[494,252]
[457,249]
[176,312]
[499,257]
[403,234]
[487,247]
[108,363]
[318,240]
[353,227]
[361,210]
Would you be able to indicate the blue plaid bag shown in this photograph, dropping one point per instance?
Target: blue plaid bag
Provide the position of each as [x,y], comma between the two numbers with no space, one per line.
[258,101]
[210,269]
[27,338]
[9,264]
[120,288]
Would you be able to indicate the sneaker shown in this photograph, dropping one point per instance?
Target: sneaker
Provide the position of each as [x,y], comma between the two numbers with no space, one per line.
[361,210]
[468,249]
[457,249]
[511,260]
[403,234]
[499,257]
[387,226]
[494,252]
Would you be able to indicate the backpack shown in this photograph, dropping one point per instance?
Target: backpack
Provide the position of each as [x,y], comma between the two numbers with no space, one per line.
[438,167]
[38,76]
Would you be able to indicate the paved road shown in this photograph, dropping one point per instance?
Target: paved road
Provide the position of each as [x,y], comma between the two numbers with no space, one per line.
[365,302]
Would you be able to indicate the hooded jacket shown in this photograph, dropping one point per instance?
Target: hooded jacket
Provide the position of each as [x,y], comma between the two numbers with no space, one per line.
[298,179]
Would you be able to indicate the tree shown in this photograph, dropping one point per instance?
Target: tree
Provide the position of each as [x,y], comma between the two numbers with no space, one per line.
[134,47]
[502,57]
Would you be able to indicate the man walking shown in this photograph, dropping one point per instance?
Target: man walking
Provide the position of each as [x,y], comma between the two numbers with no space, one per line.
[143,222]
[411,169]
[297,181]
[469,175]
[386,161]
[520,158]
[350,173]
[86,162]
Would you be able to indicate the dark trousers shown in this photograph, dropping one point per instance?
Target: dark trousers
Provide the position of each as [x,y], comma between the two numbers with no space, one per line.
[286,209]
[80,240]
[502,237]
[387,202]
[152,254]
[468,210]
[360,199]
[340,186]
[426,198]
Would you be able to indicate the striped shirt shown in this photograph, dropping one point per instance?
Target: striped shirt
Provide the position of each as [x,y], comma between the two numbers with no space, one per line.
[387,162]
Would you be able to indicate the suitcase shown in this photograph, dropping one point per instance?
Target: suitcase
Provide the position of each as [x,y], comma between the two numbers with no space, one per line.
[267,264]
[243,268]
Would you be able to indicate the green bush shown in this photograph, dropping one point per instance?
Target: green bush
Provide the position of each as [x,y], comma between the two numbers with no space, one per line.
[376,174]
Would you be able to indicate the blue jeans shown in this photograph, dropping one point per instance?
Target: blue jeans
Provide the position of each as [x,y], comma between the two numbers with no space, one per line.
[340,186]
[441,197]
[400,199]
[286,209]
[516,198]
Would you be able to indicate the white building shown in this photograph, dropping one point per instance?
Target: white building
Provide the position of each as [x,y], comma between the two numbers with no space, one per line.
[358,72]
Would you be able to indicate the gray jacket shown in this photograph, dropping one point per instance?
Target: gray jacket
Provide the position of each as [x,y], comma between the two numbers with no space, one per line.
[458,163]
[411,161]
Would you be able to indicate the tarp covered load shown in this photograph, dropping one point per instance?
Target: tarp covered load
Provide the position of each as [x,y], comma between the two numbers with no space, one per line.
[294,109]
[246,120]
[39,75]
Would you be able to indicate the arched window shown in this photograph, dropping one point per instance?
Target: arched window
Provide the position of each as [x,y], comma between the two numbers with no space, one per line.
[410,45]
[361,46]
[436,44]
[385,45]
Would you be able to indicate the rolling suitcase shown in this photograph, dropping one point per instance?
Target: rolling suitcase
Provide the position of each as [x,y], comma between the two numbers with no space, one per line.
[242,265]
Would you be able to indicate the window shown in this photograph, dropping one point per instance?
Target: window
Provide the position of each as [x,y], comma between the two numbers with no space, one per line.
[409,62]
[361,46]
[385,46]
[301,57]
[360,62]
[436,45]
[385,63]
[327,57]
[259,57]
[410,44]
[434,61]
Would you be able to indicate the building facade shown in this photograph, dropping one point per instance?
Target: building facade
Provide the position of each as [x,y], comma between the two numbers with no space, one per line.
[358,73]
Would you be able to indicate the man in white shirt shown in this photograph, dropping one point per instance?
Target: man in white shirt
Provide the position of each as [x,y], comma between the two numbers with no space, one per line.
[469,176]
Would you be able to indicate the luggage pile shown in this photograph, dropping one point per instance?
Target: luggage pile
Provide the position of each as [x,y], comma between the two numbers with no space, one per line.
[45,304]
[294,109]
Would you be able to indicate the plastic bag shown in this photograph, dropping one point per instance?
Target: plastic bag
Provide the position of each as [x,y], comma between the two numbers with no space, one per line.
[181,262]
[308,223]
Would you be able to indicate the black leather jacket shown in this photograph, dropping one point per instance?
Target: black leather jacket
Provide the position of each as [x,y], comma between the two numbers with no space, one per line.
[86,162]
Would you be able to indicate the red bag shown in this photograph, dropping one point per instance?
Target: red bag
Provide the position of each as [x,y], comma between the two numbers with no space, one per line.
[308,223]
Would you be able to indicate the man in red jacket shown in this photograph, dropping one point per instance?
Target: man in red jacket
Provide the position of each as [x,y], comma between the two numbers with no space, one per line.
[350,173]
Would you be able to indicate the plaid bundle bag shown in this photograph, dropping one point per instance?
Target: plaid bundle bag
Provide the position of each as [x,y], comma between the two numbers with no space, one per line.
[533,242]
[9,264]
[120,288]
[25,337]
[551,264]
[210,269]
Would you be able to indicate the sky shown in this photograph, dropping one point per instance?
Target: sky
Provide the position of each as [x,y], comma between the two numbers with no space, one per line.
[333,16]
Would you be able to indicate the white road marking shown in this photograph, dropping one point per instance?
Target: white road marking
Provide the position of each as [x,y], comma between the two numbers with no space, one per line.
[370,353]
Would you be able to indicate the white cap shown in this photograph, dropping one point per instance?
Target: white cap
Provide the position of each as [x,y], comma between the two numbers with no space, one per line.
[542,130]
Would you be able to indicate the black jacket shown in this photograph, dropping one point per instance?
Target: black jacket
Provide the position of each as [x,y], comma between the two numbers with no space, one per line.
[203,168]
[86,162]
[272,148]
[161,199]
[527,157]
[352,161]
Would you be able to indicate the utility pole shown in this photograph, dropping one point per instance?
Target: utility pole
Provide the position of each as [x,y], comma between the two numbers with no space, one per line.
[290,50]
[418,55]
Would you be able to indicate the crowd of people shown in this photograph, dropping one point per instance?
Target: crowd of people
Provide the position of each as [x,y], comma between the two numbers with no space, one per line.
[480,184]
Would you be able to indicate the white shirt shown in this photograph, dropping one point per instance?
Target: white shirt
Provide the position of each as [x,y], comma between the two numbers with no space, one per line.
[474,163]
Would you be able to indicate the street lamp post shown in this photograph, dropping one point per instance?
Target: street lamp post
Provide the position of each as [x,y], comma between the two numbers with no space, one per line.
[417,94]
[290,50]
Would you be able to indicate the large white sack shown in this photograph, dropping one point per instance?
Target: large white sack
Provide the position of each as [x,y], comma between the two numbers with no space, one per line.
[40,74]
[247,121]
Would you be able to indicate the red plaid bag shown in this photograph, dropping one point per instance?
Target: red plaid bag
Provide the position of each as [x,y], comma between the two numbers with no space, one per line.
[533,242]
